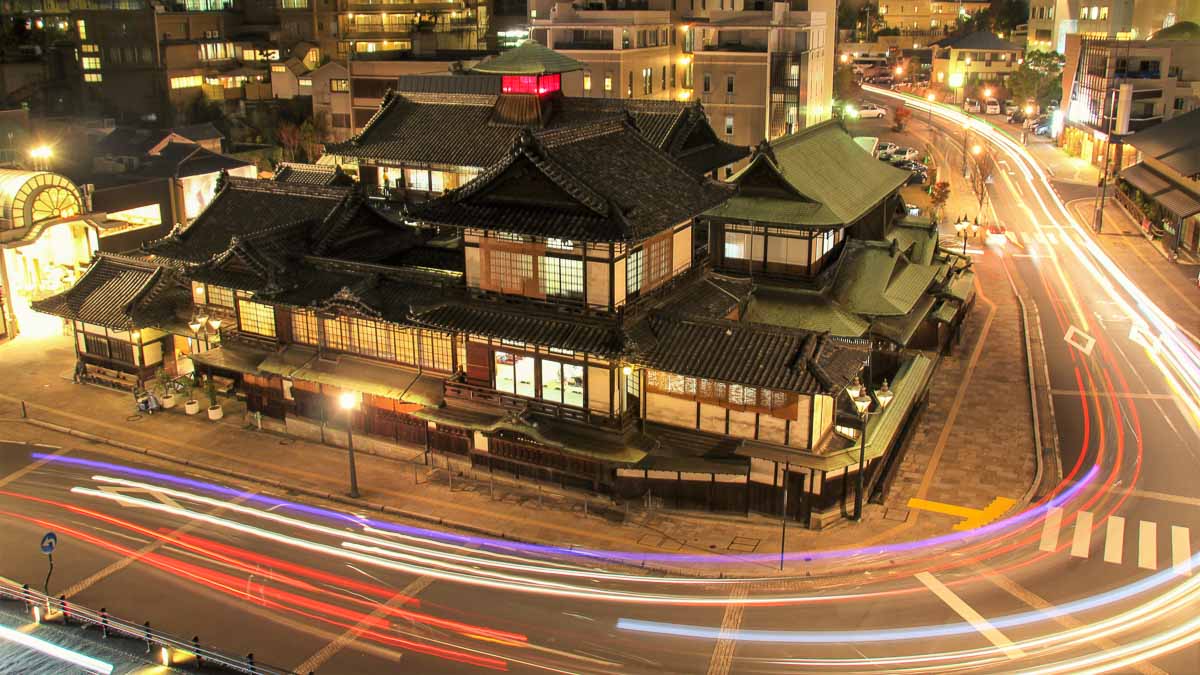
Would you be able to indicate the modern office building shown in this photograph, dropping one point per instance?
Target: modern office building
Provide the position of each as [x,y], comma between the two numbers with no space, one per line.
[922,17]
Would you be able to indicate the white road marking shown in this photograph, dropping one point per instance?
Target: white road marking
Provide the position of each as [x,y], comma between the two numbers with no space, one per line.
[1181,551]
[1050,529]
[1080,340]
[1081,543]
[1147,545]
[1114,539]
[970,615]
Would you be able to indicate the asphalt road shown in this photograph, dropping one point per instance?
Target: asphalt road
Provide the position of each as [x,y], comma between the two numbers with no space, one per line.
[1094,578]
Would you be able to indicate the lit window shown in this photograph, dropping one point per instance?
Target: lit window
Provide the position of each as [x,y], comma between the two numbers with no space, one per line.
[91,63]
[187,81]
[587,81]
[306,82]
[81,28]
[608,82]
[90,49]
[256,318]
[278,68]
[729,125]
[339,84]
[93,77]
[560,244]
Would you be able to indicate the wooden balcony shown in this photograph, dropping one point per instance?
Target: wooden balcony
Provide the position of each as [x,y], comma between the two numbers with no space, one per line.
[462,391]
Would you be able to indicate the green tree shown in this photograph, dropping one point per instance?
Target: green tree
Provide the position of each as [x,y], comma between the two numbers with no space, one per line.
[1039,78]
[845,87]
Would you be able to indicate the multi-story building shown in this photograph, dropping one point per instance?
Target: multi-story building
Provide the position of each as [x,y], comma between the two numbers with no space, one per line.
[344,29]
[1161,78]
[965,63]
[761,70]
[1051,21]
[924,17]
[556,317]
[139,58]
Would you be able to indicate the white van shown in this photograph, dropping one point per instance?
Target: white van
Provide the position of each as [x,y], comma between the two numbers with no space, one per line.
[992,107]
[971,105]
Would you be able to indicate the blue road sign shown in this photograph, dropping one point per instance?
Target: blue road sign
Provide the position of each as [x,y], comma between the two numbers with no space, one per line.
[49,541]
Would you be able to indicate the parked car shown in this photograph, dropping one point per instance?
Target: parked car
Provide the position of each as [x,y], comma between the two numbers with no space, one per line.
[1034,122]
[971,105]
[870,110]
[992,107]
[996,235]
[904,154]
[1010,107]
[915,178]
[1016,117]
[1042,128]
[885,148]
[909,165]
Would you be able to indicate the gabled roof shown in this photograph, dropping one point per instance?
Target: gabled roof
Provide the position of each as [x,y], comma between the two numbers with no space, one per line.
[452,120]
[245,206]
[111,293]
[529,58]
[205,131]
[748,353]
[598,182]
[312,174]
[1175,143]
[187,159]
[815,178]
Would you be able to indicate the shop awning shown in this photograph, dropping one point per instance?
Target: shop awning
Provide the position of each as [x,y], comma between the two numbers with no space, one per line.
[1179,202]
[346,372]
[1145,179]
[231,357]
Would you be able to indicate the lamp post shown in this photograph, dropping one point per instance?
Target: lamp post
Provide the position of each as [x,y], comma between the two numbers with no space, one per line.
[41,157]
[347,400]
[861,397]
[966,137]
[931,98]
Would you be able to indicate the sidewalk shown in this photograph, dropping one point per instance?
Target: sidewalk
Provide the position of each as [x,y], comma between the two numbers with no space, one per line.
[978,451]
[36,371]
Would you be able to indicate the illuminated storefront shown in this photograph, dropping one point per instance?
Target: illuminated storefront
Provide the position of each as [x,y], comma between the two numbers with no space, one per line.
[45,245]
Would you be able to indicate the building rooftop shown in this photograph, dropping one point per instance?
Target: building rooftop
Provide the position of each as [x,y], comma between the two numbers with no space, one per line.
[117,292]
[312,174]
[980,39]
[1175,143]
[597,182]
[528,58]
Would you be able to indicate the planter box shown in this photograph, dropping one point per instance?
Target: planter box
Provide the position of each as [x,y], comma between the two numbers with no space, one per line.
[215,413]
[191,407]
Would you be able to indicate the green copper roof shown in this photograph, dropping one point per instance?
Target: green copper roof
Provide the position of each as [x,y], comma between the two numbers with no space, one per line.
[877,280]
[805,310]
[529,58]
[825,176]
[918,237]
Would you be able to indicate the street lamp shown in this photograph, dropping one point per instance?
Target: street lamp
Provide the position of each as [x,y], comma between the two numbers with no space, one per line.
[347,400]
[966,137]
[861,397]
[41,155]
[987,92]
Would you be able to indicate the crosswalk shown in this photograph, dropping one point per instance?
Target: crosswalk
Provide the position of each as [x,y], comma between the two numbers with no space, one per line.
[1144,538]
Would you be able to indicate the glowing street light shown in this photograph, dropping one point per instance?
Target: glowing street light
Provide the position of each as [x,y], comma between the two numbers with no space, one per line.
[347,401]
[899,70]
[41,155]
[987,92]
[845,58]
[976,149]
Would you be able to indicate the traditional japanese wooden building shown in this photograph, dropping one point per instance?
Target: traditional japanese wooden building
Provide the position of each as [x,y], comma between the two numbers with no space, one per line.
[558,317]
[435,133]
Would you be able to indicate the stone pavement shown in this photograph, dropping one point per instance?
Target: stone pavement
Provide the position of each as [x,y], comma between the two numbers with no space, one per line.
[978,451]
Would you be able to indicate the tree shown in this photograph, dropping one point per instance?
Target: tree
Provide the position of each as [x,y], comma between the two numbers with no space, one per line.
[289,139]
[845,85]
[981,174]
[900,117]
[938,197]
[1039,78]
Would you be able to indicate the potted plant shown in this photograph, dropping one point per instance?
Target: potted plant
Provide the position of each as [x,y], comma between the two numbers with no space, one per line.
[191,406]
[214,408]
[168,394]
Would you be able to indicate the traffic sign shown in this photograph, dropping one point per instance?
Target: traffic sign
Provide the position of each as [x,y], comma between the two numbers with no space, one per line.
[49,542]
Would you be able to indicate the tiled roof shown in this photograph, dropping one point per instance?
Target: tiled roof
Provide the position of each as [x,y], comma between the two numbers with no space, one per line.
[311,174]
[529,58]
[444,120]
[107,294]
[1175,143]
[750,354]
[520,322]
[199,132]
[598,182]
[245,206]
[187,159]
[813,178]
[876,279]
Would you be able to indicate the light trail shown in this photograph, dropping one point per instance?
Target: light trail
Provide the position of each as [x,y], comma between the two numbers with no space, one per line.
[54,651]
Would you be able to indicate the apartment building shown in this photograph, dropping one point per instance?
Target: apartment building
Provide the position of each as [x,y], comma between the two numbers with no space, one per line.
[760,70]
[139,59]
[963,63]
[1051,21]
[1112,88]
[925,17]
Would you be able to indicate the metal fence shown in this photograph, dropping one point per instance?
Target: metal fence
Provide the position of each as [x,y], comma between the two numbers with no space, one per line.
[160,647]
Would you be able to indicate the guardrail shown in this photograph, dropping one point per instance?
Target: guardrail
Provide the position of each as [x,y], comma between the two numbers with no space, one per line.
[161,647]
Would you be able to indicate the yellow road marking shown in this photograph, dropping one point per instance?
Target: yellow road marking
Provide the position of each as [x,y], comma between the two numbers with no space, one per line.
[971,518]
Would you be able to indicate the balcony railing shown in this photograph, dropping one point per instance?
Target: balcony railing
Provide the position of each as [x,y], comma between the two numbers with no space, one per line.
[733,47]
[459,390]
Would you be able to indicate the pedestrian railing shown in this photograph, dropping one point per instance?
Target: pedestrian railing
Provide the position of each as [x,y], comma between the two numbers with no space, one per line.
[161,647]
